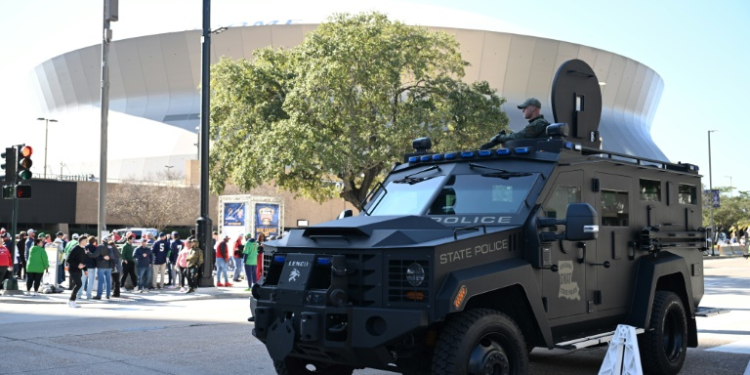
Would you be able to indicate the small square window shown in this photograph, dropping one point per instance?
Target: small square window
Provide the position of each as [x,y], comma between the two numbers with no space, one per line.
[651,190]
[686,194]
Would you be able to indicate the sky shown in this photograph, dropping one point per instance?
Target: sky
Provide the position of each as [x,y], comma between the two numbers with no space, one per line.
[699,48]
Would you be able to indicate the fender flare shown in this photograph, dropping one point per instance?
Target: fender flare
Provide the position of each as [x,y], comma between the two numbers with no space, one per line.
[649,270]
[490,277]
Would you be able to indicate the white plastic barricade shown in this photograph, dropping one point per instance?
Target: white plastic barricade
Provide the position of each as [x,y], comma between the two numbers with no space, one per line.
[622,356]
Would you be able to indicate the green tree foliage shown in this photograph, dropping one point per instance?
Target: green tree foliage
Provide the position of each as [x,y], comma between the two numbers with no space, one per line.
[343,106]
[734,213]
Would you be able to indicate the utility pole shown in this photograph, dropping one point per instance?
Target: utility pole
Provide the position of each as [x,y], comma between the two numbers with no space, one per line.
[46,132]
[203,224]
[110,15]
[711,191]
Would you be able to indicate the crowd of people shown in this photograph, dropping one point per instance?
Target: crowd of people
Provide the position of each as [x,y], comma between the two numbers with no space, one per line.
[152,264]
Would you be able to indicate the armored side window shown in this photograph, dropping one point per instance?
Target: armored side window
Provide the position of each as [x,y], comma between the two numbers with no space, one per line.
[651,190]
[558,203]
[686,194]
[615,208]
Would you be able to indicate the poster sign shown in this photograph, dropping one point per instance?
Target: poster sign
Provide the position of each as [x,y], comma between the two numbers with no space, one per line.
[234,214]
[267,219]
[715,197]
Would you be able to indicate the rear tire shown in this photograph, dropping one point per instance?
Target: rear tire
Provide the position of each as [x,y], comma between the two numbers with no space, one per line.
[663,347]
[480,341]
[298,366]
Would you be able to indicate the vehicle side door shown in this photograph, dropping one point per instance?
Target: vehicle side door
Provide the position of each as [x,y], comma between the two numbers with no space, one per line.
[564,284]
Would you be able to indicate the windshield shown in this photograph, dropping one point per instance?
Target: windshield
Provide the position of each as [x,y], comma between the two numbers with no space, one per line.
[455,195]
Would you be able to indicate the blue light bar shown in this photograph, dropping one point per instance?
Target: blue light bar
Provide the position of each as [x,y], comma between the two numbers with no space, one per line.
[413,159]
[324,261]
[437,157]
[450,156]
[503,151]
[484,153]
[467,154]
[279,258]
[569,145]
[522,150]
[425,158]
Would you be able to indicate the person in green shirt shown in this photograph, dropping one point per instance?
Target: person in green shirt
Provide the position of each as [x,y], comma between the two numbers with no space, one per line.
[251,260]
[38,264]
[128,265]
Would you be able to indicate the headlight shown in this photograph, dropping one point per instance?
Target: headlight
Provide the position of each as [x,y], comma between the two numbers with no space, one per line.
[415,274]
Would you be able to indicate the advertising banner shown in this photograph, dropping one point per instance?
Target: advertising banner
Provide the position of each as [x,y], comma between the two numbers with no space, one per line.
[234,219]
[267,219]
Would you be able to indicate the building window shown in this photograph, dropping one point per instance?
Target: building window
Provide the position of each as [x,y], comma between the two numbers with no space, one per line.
[686,194]
[651,190]
[558,204]
[615,208]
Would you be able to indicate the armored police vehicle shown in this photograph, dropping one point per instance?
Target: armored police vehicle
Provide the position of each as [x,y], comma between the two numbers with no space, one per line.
[463,262]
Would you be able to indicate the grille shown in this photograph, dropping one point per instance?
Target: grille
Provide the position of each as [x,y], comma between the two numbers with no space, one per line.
[399,289]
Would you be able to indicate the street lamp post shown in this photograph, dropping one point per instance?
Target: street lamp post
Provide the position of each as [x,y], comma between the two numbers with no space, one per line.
[169,169]
[46,131]
[711,191]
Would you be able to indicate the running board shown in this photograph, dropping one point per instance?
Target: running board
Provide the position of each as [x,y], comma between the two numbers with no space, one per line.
[586,342]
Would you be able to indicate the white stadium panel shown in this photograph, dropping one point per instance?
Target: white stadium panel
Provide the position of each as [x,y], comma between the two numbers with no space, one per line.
[157,78]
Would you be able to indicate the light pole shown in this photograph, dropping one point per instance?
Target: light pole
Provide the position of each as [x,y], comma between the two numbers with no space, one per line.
[46,131]
[169,169]
[711,191]
[731,187]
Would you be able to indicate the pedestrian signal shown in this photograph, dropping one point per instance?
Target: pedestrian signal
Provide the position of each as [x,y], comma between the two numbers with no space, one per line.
[23,191]
[24,163]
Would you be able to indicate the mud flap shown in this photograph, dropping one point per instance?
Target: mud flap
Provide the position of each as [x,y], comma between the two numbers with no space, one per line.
[280,339]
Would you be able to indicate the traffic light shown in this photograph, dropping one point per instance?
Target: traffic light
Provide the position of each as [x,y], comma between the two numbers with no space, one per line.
[23,191]
[9,165]
[24,163]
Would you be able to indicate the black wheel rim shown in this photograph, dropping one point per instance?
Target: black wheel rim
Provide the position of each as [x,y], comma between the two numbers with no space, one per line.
[488,357]
[674,335]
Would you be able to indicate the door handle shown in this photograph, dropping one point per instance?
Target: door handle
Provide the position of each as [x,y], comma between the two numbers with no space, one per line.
[606,264]
[581,252]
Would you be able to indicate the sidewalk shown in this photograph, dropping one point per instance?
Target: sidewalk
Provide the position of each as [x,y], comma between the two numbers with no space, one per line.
[159,296]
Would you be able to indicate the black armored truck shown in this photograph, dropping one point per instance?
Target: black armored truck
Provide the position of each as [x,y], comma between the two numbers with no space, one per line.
[463,262]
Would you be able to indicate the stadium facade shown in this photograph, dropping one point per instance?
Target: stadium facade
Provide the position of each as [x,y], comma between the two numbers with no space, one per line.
[154,80]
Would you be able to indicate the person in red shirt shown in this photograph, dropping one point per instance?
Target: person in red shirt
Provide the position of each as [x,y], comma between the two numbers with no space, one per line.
[6,263]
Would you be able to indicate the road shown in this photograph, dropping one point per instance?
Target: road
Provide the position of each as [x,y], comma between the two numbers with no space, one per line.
[213,337]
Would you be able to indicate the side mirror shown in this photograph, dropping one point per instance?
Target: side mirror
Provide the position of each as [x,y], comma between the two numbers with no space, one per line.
[345,213]
[581,222]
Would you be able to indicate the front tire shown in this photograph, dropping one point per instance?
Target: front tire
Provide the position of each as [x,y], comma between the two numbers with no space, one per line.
[480,341]
[298,366]
[664,346]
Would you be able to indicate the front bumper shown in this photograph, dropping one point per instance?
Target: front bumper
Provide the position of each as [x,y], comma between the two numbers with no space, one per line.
[357,336]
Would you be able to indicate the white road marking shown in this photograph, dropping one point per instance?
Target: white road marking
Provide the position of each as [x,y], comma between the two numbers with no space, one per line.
[747,370]
[737,347]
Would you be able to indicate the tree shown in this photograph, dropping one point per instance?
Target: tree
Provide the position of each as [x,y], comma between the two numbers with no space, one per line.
[342,107]
[155,203]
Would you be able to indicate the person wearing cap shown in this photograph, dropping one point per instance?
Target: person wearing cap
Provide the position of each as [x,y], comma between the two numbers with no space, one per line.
[128,264]
[60,243]
[142,259]
[251,261]
[160,250]
[194,264]
[536,127]
[36,267]
[175,246]
[222,257]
